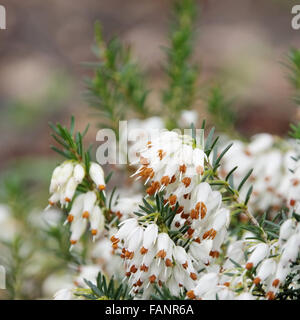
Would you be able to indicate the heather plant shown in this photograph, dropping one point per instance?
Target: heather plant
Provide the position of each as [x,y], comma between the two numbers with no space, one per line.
[205,216]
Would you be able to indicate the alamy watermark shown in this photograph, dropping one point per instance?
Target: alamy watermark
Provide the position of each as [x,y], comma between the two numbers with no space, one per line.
[2,18]
[125,149]
[296,19]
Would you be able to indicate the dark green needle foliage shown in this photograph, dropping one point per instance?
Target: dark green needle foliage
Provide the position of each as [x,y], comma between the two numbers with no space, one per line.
[181,71]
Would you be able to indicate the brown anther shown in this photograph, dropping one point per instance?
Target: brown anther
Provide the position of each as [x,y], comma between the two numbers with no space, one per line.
[133,269]
[143,250]
[139,283]
[275,283]
[127,274]
[180,209]
[295,182]
[210,234]
[161,154]
[119,214]
[226,284]
[85,215]
[160,283]
[67,199]
[165,180]
[256,281]
[155,185]
[152,278]
[194,214]
[173,179]
[214,254]
[172,199]
[70,218]
[94,232]
[270,295]
[182,168]
[197,240]
[249,265]
[51,203]
[114,239]
[185,265]
[190,294]
[169,263]
[200,206]
[184,215]
[101,187]
[161,254]
[292,202]
[73,241]
[131,255]
[149,144]
[193,276]
[144,268]
[190,231]
[186,181]
[177,224]
[115,245]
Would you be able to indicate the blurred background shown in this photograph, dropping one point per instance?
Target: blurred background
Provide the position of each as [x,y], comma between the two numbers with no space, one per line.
[243,43]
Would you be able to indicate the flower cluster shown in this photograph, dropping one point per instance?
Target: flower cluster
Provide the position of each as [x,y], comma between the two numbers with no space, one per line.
[64,182]
[151,254]
[85,207]
[171,163]
[271,159]
[273,262]
[152,257]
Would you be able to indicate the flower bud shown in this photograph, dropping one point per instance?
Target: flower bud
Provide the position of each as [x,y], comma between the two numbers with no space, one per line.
[267,268]
[77,229]
[88,203]
[150,235]
[79,173]
[162,245]
[76,208]
[97,175]
[54,183]
[65,173]
[97,221]
[259,253]
[70,189]
[205,283]
[286,230]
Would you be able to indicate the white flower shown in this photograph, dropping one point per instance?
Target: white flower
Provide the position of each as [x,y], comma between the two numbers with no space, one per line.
[97,221]
[260,251]
[65,173]
[266,269]
[70,189]
[97,175]
[286,230]
[78,227]
[150,236]
[206,283]
[88,203]
[64,182]
[79,173]
[76,209]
